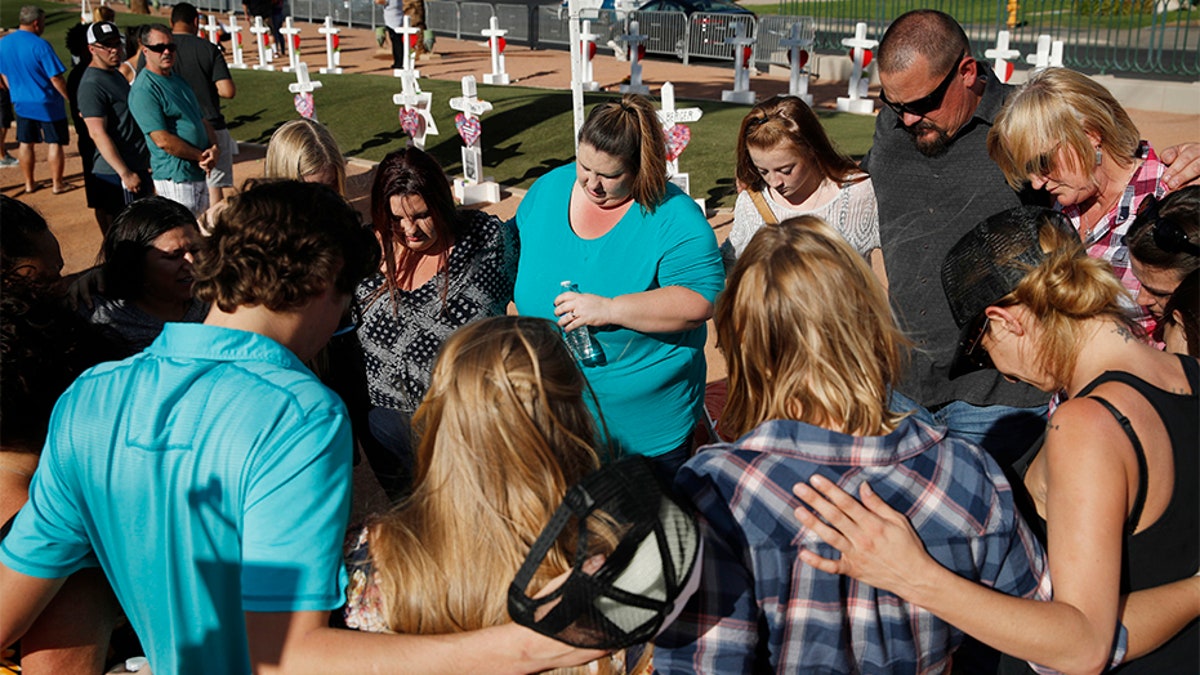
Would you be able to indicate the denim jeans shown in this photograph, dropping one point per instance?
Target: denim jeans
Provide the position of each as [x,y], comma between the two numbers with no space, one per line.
[1004,432]
[389,449]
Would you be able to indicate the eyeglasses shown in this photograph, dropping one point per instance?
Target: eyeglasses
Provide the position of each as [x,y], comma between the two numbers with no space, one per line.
[110,46]
[350,320]
[162,47]
[1167,235]
[974,351]
[927,104]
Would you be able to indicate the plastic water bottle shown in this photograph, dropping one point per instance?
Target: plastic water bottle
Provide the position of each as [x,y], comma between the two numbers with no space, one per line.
[583,346]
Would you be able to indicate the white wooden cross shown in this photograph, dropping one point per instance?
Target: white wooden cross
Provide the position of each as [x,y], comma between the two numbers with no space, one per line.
[671,117]
[587,47]
[495,35]
[472,188]
[797,47]
[406,31]
[85,11]
[857,101]
[411,98]
[331,54]
[633,43]
[1003,56]
[264,54]
[235,36]
[212,29]
[1049,54]
[743,47]
[303,85]
[289,32]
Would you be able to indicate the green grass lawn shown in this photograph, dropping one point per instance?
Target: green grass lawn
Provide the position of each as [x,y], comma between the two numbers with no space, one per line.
[528,132]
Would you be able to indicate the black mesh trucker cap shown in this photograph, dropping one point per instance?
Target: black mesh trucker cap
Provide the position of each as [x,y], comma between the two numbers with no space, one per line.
[986,265]
[635,560]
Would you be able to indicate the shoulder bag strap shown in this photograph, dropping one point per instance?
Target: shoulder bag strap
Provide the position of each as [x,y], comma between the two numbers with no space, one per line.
[760,202]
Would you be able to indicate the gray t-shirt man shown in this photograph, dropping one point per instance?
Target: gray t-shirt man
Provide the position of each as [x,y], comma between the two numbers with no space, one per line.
[106,94]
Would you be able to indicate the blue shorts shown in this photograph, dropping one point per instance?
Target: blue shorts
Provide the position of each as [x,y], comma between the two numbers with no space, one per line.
[37,131]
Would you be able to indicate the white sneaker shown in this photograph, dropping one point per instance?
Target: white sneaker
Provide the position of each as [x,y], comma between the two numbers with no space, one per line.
[8,160]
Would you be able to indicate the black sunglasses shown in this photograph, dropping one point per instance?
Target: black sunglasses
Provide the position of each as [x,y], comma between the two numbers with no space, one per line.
[927,104]
[973,349]
[163,47]
[1167,235]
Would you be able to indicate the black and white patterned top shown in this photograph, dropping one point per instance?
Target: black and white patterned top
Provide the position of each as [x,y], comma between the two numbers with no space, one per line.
[400,343]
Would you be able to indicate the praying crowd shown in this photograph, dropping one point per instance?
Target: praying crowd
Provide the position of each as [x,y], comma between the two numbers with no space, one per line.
[959,433]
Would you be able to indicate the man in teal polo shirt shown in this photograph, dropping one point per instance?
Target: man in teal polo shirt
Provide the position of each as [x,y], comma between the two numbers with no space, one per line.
[183,145]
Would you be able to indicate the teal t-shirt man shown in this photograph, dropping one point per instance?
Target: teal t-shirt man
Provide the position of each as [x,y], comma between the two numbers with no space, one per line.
[166,103]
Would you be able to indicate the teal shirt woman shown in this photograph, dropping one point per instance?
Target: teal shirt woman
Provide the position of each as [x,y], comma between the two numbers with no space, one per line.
[648,268]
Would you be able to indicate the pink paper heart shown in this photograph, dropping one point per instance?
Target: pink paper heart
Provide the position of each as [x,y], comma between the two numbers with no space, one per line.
[468,127]
[411,122]
[305,105]
[1008,71]
[677,139]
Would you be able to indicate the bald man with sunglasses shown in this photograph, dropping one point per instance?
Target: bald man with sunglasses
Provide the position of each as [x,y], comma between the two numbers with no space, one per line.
[183,145]
[934,181]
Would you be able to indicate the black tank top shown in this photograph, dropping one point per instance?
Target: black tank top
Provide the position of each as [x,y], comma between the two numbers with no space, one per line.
[1168,550]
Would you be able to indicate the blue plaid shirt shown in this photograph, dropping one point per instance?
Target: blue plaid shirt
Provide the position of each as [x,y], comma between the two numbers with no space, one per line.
[760,610]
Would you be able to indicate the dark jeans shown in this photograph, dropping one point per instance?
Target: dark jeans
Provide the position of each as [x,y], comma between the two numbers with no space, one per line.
[669,463]
[389,450]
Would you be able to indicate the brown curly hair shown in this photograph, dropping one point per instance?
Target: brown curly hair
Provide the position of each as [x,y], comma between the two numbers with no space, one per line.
[279,243]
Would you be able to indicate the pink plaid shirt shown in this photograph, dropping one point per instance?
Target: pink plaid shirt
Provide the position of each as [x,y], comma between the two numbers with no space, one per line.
[1107,240]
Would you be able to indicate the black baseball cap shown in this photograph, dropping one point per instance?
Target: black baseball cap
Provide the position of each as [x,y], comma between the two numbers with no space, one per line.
[103,31]
[986,265]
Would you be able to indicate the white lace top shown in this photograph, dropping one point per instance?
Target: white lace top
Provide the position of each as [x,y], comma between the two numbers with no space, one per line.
[852,213]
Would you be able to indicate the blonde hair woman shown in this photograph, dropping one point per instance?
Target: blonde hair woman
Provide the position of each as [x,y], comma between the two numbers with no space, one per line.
[1065,133]
[305,150]
[504,431]
[1115,477]
[813,351]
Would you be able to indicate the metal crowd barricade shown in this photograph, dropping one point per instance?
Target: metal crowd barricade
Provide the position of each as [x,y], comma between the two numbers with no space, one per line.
[515,19]
[666,32]
[707,32]
[474,18]
[772,30]
[441,16]
[552,25]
